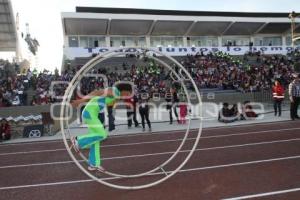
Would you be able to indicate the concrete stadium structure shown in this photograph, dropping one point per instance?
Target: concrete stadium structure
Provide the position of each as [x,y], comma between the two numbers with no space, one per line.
[92,30]
[8,31]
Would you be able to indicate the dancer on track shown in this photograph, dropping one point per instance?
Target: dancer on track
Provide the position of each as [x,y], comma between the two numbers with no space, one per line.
[97,101]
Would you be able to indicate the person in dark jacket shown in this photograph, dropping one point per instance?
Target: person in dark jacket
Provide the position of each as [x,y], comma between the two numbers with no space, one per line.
[144,109]
[175,101]
[168,98]
[294,95]
[224,113]
[131,104]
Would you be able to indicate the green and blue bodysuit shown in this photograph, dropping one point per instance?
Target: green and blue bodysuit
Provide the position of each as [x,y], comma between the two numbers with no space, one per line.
[96,130]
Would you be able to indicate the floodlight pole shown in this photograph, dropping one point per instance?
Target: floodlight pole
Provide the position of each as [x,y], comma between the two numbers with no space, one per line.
[292,16]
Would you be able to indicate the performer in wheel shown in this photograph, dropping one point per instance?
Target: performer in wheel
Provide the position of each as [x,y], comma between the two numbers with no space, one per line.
[97,101]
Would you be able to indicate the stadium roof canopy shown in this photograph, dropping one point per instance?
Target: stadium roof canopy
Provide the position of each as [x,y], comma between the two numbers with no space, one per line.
[120,21]
[7,27]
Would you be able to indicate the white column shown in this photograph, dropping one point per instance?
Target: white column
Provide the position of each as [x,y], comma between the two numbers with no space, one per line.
[107,41]
[185,44]
[219,41]
[148,43]
[66,41]
[283,40]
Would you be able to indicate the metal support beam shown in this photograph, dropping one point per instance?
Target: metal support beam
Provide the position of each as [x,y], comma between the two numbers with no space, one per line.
[108,27]
[295,39]
[190,28]
[164,171]
[261,28]
[227,28]
[151,27]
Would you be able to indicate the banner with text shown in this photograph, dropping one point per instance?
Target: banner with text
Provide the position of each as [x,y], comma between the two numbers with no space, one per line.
[74,52]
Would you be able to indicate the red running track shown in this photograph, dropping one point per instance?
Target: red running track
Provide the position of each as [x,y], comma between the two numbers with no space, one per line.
[260,161]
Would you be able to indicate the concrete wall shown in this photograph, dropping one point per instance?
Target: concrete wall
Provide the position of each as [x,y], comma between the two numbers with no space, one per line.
[23,110]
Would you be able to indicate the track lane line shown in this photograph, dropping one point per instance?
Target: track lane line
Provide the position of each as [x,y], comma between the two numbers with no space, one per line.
[155,154]
[155,133]
[158,173]
[264,194]
[156,141]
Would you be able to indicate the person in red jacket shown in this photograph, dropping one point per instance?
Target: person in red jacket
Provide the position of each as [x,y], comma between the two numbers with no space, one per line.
[131,104]
[183,110]
[5,130]
[278,96]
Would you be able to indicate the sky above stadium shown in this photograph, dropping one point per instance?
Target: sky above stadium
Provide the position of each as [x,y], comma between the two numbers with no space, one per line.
[44,17]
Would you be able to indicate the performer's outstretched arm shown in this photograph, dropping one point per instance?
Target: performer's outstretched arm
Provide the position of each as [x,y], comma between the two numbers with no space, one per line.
[102,92]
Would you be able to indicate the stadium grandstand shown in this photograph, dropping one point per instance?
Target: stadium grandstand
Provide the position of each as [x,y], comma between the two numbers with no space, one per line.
[211,45]
[248,38]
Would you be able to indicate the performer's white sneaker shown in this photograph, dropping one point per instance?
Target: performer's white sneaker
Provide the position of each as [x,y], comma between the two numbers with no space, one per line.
[75,144]
[93,168]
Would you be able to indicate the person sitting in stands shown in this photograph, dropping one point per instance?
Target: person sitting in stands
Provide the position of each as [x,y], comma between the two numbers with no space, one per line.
[2,104]
[5,130]
[33,101]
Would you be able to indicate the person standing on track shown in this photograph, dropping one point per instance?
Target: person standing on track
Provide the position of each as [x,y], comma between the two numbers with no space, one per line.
[175,101]
[294,94]
[183,111]
[111,117]
[278,96]
[131,103]
[97,101]
[144,109]
[168,98]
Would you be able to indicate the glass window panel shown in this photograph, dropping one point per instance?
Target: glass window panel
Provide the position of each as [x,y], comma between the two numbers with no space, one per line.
[84,42]
[203,41]
[73,41]
[101,42]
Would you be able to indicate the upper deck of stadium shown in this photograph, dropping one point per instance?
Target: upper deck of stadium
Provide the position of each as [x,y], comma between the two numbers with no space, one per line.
[91,27]
[7,27]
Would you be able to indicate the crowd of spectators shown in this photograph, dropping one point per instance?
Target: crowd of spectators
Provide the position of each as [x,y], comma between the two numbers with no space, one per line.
[222,71]
[151,78]
[215,70]
[12,86]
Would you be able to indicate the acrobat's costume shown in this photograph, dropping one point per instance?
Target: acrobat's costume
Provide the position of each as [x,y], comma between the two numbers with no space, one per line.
[96,131]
